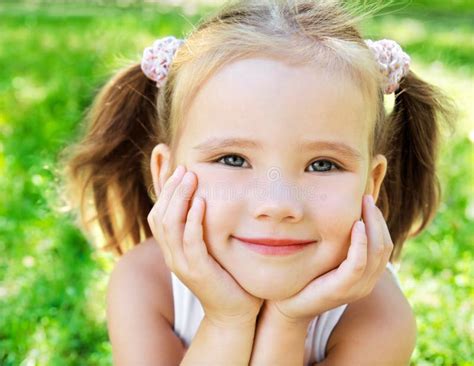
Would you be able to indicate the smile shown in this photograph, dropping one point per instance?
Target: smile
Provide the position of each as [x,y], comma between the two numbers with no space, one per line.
[272,249]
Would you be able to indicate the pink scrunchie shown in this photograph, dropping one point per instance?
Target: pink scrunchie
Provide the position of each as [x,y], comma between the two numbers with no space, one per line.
[393,62]
[157,59]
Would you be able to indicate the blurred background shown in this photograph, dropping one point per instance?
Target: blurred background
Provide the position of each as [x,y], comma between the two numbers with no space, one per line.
[54,56]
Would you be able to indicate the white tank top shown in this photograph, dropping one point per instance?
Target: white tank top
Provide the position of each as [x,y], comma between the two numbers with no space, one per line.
[188,314]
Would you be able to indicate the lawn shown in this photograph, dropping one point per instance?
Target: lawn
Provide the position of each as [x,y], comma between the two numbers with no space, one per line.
[53,59]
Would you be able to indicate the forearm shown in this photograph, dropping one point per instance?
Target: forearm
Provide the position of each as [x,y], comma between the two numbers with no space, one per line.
[278,342]
[217,345]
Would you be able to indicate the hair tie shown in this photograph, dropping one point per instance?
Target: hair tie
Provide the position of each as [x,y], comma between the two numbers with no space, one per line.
[393,62]
[157,59]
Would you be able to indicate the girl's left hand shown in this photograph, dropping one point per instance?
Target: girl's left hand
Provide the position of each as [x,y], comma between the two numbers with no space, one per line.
[355,278]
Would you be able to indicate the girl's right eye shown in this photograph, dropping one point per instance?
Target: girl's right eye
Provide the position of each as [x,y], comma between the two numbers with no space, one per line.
[232,160]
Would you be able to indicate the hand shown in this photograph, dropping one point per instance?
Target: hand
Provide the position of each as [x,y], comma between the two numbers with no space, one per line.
[355,278]
[180,236]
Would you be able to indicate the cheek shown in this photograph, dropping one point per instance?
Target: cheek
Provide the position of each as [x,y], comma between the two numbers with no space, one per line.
[223,206]
[340,202]
[218,222]
[334,214]
[217,186]
[339,213]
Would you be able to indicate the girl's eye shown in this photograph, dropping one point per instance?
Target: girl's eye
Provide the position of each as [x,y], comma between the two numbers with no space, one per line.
[324,165]
[232,160]
[319,165]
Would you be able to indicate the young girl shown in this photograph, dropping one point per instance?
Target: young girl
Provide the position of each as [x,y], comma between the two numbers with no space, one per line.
[238,168]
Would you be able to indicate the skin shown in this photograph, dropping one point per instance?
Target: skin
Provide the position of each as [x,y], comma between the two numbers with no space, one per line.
[278,106]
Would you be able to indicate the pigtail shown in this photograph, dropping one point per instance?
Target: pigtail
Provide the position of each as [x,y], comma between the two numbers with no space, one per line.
[106,174]
[411,191]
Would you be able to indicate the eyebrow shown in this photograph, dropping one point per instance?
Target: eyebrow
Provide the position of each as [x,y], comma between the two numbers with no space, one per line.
[214,144]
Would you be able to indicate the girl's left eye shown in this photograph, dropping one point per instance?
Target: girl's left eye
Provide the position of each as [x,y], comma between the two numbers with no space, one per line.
[322,165]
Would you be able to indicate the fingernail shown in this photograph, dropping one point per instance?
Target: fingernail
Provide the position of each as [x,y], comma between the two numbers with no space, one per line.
[188,177]
[370,200]
[360,227]
[178,170]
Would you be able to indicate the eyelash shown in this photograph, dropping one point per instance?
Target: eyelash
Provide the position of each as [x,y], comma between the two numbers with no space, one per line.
[337,166]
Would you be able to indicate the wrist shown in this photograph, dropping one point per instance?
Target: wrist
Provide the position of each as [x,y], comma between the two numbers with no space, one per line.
[237,323]
[219,343]
[271,314]
[278,340]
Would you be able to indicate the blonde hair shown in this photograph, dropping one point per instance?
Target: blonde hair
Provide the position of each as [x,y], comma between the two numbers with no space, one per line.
[107,175]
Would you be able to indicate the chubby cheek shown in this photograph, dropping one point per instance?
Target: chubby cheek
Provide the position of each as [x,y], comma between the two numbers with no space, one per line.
[334,217]
[223,208]
[217,225]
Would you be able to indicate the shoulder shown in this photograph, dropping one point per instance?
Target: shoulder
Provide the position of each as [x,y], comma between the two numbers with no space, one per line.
[380,326]
[140,309]
[141,279]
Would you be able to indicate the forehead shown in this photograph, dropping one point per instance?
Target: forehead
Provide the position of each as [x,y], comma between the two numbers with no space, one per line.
[278,105]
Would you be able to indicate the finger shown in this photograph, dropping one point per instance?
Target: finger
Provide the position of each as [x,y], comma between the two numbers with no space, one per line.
[158,235]
[155,217]
[194,247]
[353,267]
[388,244]
[374,235]
[168,190]
[174,219]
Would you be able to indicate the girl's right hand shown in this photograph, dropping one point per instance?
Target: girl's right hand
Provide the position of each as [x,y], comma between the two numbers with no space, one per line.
[180,236]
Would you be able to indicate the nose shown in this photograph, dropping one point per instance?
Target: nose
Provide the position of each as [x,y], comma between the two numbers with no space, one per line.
[278,203]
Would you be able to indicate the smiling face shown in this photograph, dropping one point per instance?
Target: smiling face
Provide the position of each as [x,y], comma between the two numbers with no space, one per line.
[279,151]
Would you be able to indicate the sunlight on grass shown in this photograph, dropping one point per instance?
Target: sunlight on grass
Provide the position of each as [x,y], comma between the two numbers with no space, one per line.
[42,346]
[456,83]
[97,289]
[409,30]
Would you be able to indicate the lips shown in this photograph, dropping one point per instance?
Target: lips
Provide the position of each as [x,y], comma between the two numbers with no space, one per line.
[274,242]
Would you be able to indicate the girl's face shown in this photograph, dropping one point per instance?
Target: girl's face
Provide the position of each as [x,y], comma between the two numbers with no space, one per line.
[279,152]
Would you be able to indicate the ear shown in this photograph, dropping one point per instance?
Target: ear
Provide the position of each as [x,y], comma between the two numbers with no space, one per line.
[376,176]
[160,166]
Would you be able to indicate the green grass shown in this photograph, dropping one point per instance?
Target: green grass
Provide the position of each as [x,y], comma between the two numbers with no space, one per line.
[52,61]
